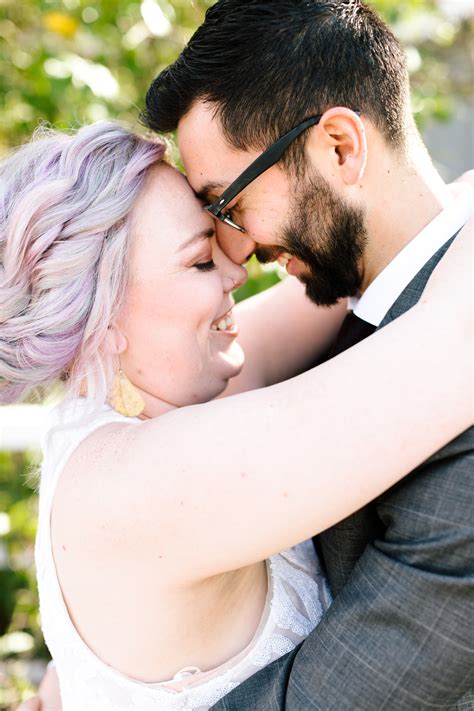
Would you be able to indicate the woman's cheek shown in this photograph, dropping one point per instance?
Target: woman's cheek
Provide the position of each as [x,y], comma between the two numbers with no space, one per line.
[208,299]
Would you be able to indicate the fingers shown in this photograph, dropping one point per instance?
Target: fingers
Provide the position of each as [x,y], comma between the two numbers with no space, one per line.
[449,288]
[36,704]
[33,704]
[462,185]
[49,691]
[467,177]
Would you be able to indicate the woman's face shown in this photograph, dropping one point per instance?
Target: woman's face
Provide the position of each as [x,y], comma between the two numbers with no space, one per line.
[177,320]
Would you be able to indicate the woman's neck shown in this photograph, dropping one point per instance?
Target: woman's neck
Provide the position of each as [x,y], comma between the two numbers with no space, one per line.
[154,406]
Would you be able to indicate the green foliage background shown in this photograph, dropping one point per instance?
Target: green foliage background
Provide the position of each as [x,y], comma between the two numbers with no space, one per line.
[41,42]
[73,61]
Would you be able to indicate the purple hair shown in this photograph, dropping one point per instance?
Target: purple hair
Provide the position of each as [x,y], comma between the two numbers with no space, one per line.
[64,241]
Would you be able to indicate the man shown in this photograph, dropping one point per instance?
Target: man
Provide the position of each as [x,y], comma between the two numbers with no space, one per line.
[353,205]
[349,201]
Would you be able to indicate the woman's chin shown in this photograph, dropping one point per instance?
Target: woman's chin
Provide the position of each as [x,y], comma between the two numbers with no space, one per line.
[231,360]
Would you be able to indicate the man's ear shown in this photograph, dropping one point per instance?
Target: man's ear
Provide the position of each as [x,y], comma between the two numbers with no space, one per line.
[115,341]
[340,138]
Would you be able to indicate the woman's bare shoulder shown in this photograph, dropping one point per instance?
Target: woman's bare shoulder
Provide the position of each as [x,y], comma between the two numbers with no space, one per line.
[92,478]
[109,506]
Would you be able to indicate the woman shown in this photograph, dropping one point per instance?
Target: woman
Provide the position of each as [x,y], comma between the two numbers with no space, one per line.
[162,514]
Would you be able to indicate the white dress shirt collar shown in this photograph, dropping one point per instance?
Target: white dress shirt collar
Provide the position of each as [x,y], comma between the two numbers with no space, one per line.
[382,293]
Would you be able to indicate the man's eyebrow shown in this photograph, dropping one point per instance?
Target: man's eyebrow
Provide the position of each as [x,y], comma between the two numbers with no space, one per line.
[198,237]
[210,189]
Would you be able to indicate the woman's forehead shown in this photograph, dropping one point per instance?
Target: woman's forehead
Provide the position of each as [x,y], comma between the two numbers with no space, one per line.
[167,214]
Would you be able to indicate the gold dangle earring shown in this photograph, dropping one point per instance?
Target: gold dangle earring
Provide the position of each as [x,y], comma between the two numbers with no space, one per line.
[125,398]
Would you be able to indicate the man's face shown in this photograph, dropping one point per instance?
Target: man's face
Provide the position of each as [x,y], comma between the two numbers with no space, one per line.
[282,214]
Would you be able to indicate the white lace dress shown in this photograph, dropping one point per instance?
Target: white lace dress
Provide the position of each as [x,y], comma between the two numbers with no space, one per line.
[297,598]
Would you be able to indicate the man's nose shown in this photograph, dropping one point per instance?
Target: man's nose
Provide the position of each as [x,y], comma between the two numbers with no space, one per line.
[238,246]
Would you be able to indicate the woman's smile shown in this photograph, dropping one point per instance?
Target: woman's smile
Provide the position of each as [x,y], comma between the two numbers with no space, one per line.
[225,324]
[179,315]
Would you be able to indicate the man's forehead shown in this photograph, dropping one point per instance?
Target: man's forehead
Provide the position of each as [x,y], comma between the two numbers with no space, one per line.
[199,132]
[210,163]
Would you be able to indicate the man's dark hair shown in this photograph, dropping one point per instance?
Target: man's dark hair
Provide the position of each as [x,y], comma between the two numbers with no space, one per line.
[266,65]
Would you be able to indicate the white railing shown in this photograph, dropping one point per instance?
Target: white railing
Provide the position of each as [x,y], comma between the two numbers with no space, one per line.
[21,427]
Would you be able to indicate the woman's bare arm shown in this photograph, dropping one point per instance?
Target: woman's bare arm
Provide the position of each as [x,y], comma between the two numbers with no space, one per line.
[225,484]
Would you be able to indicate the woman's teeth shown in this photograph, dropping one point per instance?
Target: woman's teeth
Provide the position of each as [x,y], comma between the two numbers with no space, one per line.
[225,324]
[284,258]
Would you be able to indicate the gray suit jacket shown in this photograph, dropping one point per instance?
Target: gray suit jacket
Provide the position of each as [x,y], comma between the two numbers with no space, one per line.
[400,632]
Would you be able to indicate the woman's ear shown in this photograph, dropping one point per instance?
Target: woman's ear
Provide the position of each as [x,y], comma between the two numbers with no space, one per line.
[340,138]
[115,341]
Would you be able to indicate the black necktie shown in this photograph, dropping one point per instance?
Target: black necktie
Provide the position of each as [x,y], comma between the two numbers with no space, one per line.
[353,330]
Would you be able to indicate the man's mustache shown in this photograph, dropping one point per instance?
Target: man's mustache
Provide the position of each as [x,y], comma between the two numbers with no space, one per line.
[268,253]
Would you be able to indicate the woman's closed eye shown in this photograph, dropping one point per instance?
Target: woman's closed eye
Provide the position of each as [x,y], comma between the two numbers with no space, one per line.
[206,266]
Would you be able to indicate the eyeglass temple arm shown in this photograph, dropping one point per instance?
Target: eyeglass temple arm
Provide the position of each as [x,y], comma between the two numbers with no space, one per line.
[271,156]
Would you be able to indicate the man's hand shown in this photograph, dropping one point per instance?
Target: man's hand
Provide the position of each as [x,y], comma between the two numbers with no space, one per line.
[466,180]
[48,698]
[467,177]
[33,704]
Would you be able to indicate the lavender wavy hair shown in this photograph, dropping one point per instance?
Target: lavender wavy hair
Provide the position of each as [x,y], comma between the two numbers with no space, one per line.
[64,240]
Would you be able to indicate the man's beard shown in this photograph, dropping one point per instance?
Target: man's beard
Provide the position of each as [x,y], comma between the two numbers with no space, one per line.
[329,236]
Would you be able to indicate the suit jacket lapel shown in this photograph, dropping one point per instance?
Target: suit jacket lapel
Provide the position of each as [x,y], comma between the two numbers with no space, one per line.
[412,293]
[341,546]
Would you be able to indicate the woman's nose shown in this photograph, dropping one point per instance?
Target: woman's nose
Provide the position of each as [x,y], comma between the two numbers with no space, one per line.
[235,276]
[238,246]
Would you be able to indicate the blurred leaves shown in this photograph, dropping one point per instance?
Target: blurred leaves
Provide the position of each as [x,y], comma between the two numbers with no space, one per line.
[77,61]
[73,62]
[260,277]
[20,635]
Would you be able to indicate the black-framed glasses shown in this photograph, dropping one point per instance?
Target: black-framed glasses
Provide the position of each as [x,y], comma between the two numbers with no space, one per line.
[265,161]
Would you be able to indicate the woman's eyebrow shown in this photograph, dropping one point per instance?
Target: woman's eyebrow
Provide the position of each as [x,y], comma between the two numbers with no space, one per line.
[198,237]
